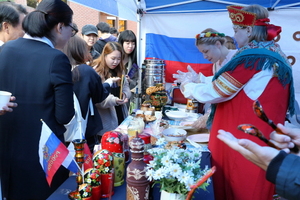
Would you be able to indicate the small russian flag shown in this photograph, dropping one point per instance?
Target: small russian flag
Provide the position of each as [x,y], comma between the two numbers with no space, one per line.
[52,152]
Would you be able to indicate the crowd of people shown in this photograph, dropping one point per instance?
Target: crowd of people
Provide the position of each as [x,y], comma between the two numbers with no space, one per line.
[53,63]
[100,66]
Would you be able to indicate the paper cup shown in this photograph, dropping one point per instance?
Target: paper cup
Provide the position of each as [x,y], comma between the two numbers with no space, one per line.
[4,98]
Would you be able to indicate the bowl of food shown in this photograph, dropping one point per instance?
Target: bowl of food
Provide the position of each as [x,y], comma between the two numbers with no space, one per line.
[174,134]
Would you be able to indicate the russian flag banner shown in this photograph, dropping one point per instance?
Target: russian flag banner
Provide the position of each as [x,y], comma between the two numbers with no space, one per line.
[171,37]
[176,55]
[69,163]
[52,152]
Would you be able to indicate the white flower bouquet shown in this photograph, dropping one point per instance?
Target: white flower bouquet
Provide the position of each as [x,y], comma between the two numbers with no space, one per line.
[175,169]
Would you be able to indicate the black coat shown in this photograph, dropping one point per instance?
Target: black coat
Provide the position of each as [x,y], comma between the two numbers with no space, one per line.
[99,45]
[40,77]
[89,87]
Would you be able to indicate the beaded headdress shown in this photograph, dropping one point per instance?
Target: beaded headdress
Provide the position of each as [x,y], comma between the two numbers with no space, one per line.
[209,34]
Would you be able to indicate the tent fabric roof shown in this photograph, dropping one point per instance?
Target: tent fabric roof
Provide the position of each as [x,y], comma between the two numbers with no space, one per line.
[194,6]
[121,8]
[127,9]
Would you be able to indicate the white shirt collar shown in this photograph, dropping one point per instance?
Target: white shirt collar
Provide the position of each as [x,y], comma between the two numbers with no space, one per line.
[1,43]
[43,39]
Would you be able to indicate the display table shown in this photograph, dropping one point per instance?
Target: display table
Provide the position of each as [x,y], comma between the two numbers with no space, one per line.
[120,192]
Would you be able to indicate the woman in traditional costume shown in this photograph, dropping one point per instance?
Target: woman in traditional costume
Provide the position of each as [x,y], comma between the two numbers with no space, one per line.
[258,71]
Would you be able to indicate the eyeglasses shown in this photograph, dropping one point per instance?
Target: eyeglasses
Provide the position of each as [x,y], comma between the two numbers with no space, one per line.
[74,30]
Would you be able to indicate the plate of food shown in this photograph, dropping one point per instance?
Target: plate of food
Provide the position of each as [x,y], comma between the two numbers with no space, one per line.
[201,137]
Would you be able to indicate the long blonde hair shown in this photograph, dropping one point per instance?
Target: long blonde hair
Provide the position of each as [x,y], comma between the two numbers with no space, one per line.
[100,65]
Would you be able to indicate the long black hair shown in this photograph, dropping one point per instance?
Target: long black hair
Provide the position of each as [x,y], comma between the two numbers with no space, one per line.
[129,36]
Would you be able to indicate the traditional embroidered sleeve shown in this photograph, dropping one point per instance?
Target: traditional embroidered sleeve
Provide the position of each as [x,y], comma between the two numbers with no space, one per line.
[224,88]
[226,85]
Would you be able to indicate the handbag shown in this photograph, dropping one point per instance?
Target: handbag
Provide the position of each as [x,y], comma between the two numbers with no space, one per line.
[77,126]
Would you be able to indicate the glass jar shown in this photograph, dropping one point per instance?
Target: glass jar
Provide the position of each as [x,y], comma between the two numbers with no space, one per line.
[192,106]
[133,128]
[141,123]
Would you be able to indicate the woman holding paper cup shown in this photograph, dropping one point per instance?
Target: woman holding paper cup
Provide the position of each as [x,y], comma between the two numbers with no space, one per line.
[113,109]
[39,75]
[5,102]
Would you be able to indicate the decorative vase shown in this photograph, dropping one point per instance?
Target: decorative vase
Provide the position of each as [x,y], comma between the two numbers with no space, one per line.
[107,185]
[119,167]
[138,185]
[171,196]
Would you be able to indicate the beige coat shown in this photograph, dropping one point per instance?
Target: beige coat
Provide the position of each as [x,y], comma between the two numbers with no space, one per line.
[107,110]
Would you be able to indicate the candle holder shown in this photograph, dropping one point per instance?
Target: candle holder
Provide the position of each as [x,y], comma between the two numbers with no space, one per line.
[79,158]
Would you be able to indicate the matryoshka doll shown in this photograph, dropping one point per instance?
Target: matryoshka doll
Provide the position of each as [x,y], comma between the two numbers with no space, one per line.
[113,141]
[103,161]
[85,191]
[92,176]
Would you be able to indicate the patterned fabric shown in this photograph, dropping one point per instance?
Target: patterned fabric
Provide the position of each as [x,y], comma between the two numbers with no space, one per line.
[265,55]
[269,45]
[226,85]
